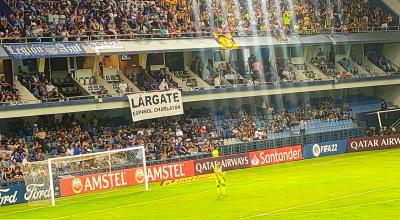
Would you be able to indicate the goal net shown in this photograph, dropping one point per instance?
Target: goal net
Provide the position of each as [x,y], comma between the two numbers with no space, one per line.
[67,176]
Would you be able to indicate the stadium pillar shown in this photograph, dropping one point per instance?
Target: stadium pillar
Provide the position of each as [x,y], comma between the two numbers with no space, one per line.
[143,60]
[187,58]
[8,71]
[95,67]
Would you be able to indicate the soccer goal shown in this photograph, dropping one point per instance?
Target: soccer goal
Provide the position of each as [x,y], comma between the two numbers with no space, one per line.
[67,176]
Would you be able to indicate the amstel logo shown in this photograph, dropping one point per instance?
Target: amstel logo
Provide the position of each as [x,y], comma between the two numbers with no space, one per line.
[77,185]
[139,175]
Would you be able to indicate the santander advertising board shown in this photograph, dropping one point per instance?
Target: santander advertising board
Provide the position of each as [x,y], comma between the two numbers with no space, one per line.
[274,156]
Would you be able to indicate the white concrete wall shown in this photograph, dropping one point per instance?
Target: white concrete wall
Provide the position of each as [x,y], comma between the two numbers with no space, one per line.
[392,52]
[83,73]
[386,92]
[394,5]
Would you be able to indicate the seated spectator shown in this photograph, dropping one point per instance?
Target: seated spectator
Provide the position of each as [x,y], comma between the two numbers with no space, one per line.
[287,75]
[40,87]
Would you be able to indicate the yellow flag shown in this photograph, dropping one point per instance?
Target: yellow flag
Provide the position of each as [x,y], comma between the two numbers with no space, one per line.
[226,41]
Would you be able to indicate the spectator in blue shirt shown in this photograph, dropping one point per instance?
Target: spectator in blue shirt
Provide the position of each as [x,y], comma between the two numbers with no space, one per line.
[77,149]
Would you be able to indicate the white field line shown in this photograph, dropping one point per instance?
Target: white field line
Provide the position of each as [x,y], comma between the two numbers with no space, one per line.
[246,174]
[26,219]
[372,163]
[130,205]
[317,202]
[336,208]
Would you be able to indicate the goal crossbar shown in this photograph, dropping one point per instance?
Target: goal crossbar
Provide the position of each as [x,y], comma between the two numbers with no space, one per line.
[50,161]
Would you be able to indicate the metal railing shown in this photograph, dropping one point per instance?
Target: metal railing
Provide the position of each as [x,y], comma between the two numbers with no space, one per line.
[95,36]
[246,147]
[291,141]
[278,84]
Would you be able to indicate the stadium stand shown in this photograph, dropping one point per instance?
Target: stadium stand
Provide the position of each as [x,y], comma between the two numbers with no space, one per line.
[40,87]
[8,93]
[67,87]
[69,21]
[198,131]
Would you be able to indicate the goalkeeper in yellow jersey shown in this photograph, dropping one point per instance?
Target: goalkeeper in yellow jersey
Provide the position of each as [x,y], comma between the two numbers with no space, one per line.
[220,179]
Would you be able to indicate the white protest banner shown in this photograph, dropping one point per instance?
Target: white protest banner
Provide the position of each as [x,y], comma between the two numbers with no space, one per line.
[155,104]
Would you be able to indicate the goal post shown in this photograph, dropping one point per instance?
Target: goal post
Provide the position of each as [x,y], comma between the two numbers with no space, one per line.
[66,176]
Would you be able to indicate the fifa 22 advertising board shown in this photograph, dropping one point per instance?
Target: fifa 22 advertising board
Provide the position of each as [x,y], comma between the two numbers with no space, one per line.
[324,149]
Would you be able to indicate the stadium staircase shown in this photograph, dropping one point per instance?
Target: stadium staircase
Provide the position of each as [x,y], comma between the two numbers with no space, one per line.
[299,74]
[25,94]
[103,83]
[200,82]
[131,85]
[391,52]
[181,83]
[319,75]
[375,69]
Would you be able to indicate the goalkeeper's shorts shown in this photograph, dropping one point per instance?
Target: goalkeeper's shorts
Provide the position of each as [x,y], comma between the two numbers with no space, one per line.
[220,182]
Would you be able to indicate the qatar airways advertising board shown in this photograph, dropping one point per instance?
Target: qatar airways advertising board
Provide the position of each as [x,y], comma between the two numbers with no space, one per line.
[373,143]
[274,156]
[122,178]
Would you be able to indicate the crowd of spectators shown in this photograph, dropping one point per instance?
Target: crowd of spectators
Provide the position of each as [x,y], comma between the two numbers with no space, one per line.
[8,93]
[376,131]
[73,20]
[285,121]
[161,80]
[155,80]
[385,64]
[326,66]
[39,86]
[197,131]
[354,15]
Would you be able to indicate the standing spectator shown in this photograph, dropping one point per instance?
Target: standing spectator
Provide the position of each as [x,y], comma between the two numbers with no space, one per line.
[255,69]
[383,105]
[302,125]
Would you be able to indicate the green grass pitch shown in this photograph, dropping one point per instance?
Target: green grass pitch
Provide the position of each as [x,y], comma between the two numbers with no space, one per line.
[348,186]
